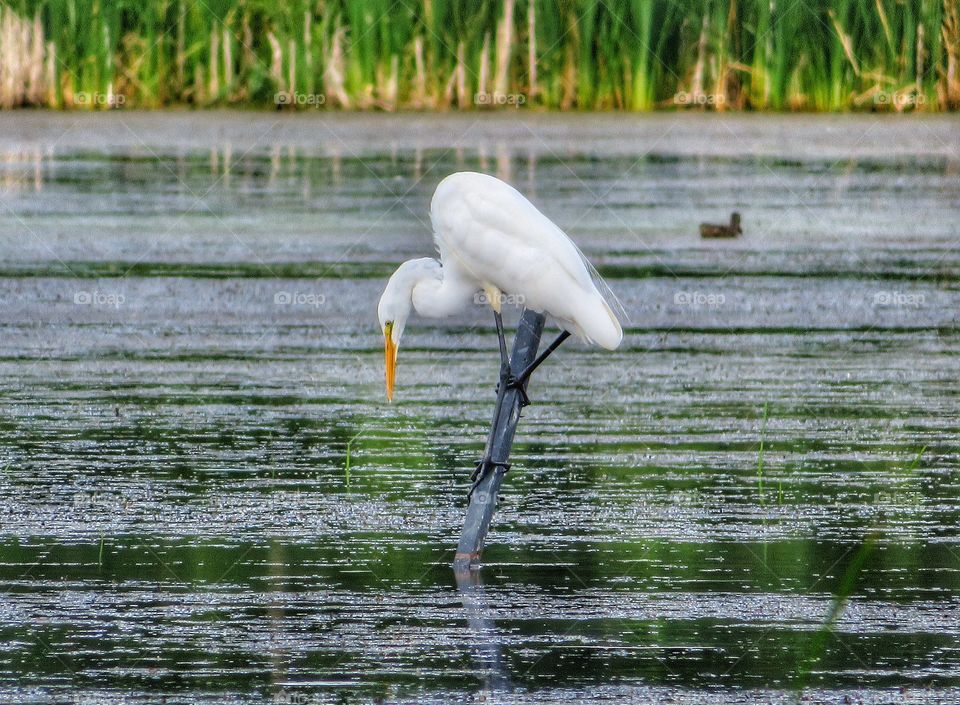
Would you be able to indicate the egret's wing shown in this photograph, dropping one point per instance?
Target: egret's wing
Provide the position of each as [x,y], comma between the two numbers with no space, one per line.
[489,227]
[603,287]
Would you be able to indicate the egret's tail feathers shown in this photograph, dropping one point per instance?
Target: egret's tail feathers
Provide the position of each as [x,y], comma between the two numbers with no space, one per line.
[605,291]
[597,321]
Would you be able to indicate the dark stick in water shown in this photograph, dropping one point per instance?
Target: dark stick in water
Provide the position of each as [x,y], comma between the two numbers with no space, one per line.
[506,415]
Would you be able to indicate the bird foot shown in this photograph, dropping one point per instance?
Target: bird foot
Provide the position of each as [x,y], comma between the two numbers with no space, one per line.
[480,473]
[515,383]
[519,385]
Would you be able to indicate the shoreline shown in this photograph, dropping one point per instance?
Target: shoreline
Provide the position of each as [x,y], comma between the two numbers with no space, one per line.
[746,135]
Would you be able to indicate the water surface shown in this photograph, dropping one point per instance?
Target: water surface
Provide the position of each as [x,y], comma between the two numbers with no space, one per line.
[205,499]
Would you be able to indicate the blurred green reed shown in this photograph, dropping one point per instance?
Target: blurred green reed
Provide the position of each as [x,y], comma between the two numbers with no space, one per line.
[890,55]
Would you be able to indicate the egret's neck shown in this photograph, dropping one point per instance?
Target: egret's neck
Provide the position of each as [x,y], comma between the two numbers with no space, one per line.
[438,298]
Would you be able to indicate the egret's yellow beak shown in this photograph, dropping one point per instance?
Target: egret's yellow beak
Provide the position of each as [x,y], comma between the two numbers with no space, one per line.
[390,357]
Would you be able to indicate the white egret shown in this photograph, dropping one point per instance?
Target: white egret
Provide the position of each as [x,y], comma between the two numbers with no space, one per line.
[493,240]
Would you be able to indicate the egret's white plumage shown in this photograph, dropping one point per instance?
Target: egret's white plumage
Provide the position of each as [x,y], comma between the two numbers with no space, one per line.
[492,239]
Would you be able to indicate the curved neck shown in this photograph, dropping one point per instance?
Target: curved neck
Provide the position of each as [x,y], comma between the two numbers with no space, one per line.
[438,298]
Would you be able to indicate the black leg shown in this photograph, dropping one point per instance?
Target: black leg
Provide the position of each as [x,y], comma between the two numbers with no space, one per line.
[525,375]
[507,380]
[486,463]
[504,359]
[505,374]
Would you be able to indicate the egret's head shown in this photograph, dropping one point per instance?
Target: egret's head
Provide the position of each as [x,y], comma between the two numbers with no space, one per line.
[396,303]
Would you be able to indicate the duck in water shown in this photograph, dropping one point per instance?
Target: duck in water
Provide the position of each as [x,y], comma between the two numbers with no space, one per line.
[731,230]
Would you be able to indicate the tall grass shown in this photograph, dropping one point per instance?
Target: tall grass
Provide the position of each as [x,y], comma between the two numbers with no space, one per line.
[440,54]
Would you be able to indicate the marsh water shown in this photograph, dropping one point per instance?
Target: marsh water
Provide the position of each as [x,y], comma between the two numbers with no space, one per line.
[204,497]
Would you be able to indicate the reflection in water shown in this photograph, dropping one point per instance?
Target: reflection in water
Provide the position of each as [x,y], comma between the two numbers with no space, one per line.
[23,169]
[635,216]
[487,644]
